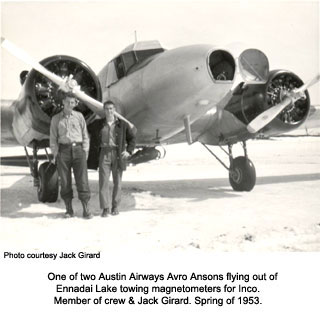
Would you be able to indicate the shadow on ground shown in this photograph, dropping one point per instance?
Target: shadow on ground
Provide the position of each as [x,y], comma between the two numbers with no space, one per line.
[17,200]
[201,189]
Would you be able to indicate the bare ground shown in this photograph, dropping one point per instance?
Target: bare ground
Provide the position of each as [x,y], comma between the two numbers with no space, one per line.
[181,202]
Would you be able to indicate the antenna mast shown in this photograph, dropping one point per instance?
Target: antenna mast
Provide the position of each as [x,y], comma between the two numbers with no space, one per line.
[135,36]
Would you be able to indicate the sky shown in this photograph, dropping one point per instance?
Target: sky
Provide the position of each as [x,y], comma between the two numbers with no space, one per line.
[286,31]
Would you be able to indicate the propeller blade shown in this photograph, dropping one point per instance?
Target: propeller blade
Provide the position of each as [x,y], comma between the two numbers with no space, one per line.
[97,104]
[25,57]
[308,84]
[66,84]
[267,116]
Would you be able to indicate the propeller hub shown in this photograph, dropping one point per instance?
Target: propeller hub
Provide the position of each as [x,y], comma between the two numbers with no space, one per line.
[72,83]
[48,94]
[284,93]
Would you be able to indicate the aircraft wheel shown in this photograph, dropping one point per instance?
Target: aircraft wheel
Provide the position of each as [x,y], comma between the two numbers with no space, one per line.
[242,174]
[48,188]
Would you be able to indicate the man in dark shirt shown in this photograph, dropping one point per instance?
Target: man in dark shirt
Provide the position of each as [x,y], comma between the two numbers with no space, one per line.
[69,143]
[117,142]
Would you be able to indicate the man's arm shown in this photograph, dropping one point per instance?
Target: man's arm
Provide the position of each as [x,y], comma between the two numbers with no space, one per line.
[85,136]
[54,146]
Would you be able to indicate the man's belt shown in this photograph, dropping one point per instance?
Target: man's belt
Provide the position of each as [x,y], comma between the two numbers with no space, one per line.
[71,144]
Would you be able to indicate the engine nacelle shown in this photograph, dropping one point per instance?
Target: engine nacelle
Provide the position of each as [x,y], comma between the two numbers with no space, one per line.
[249,102]
[279,84]
[40,98]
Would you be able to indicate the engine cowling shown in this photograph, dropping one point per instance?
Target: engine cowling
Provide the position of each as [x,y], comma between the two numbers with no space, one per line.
[279,84]
[251,101]
[40,99]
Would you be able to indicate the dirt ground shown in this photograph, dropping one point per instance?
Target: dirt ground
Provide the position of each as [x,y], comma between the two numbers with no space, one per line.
[183,201]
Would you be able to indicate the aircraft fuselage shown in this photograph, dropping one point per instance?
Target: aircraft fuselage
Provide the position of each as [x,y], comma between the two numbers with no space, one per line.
[158,96]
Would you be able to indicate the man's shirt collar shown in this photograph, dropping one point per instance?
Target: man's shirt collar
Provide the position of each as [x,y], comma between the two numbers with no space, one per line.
[65,115]
[115,122]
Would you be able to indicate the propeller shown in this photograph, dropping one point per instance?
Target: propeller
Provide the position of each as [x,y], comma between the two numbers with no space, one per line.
[267,116]
[66,84]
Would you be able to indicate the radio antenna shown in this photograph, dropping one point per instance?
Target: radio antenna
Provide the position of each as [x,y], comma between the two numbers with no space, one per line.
[135,36]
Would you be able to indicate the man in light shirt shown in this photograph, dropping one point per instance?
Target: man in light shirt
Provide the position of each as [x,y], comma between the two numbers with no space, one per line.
[69,143]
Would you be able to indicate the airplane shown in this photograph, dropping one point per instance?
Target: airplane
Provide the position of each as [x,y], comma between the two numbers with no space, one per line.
[218,96]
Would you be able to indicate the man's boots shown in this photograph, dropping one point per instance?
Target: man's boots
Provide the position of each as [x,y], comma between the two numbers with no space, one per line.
[69,210]
[86,211]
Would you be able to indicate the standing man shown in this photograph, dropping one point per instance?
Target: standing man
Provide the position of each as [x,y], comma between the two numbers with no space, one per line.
[69,144]
[117,141]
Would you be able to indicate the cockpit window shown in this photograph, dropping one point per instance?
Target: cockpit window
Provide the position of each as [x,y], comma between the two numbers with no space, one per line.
[143,55]
[129,60]
[119,67]
[111,75]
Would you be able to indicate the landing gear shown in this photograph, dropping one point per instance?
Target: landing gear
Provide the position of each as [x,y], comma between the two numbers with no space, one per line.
[242,173]
[45,178]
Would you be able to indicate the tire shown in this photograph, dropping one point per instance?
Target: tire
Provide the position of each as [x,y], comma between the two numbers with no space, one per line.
[242,174]
[48,188]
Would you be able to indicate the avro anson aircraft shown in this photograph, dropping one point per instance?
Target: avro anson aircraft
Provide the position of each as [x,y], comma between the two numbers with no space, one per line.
[198,93]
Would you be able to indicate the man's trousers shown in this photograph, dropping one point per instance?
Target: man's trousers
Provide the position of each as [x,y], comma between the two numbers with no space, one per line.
[108,163]
[73,157]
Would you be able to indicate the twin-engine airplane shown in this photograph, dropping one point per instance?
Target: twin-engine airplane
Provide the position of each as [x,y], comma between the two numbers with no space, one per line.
[199,93]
